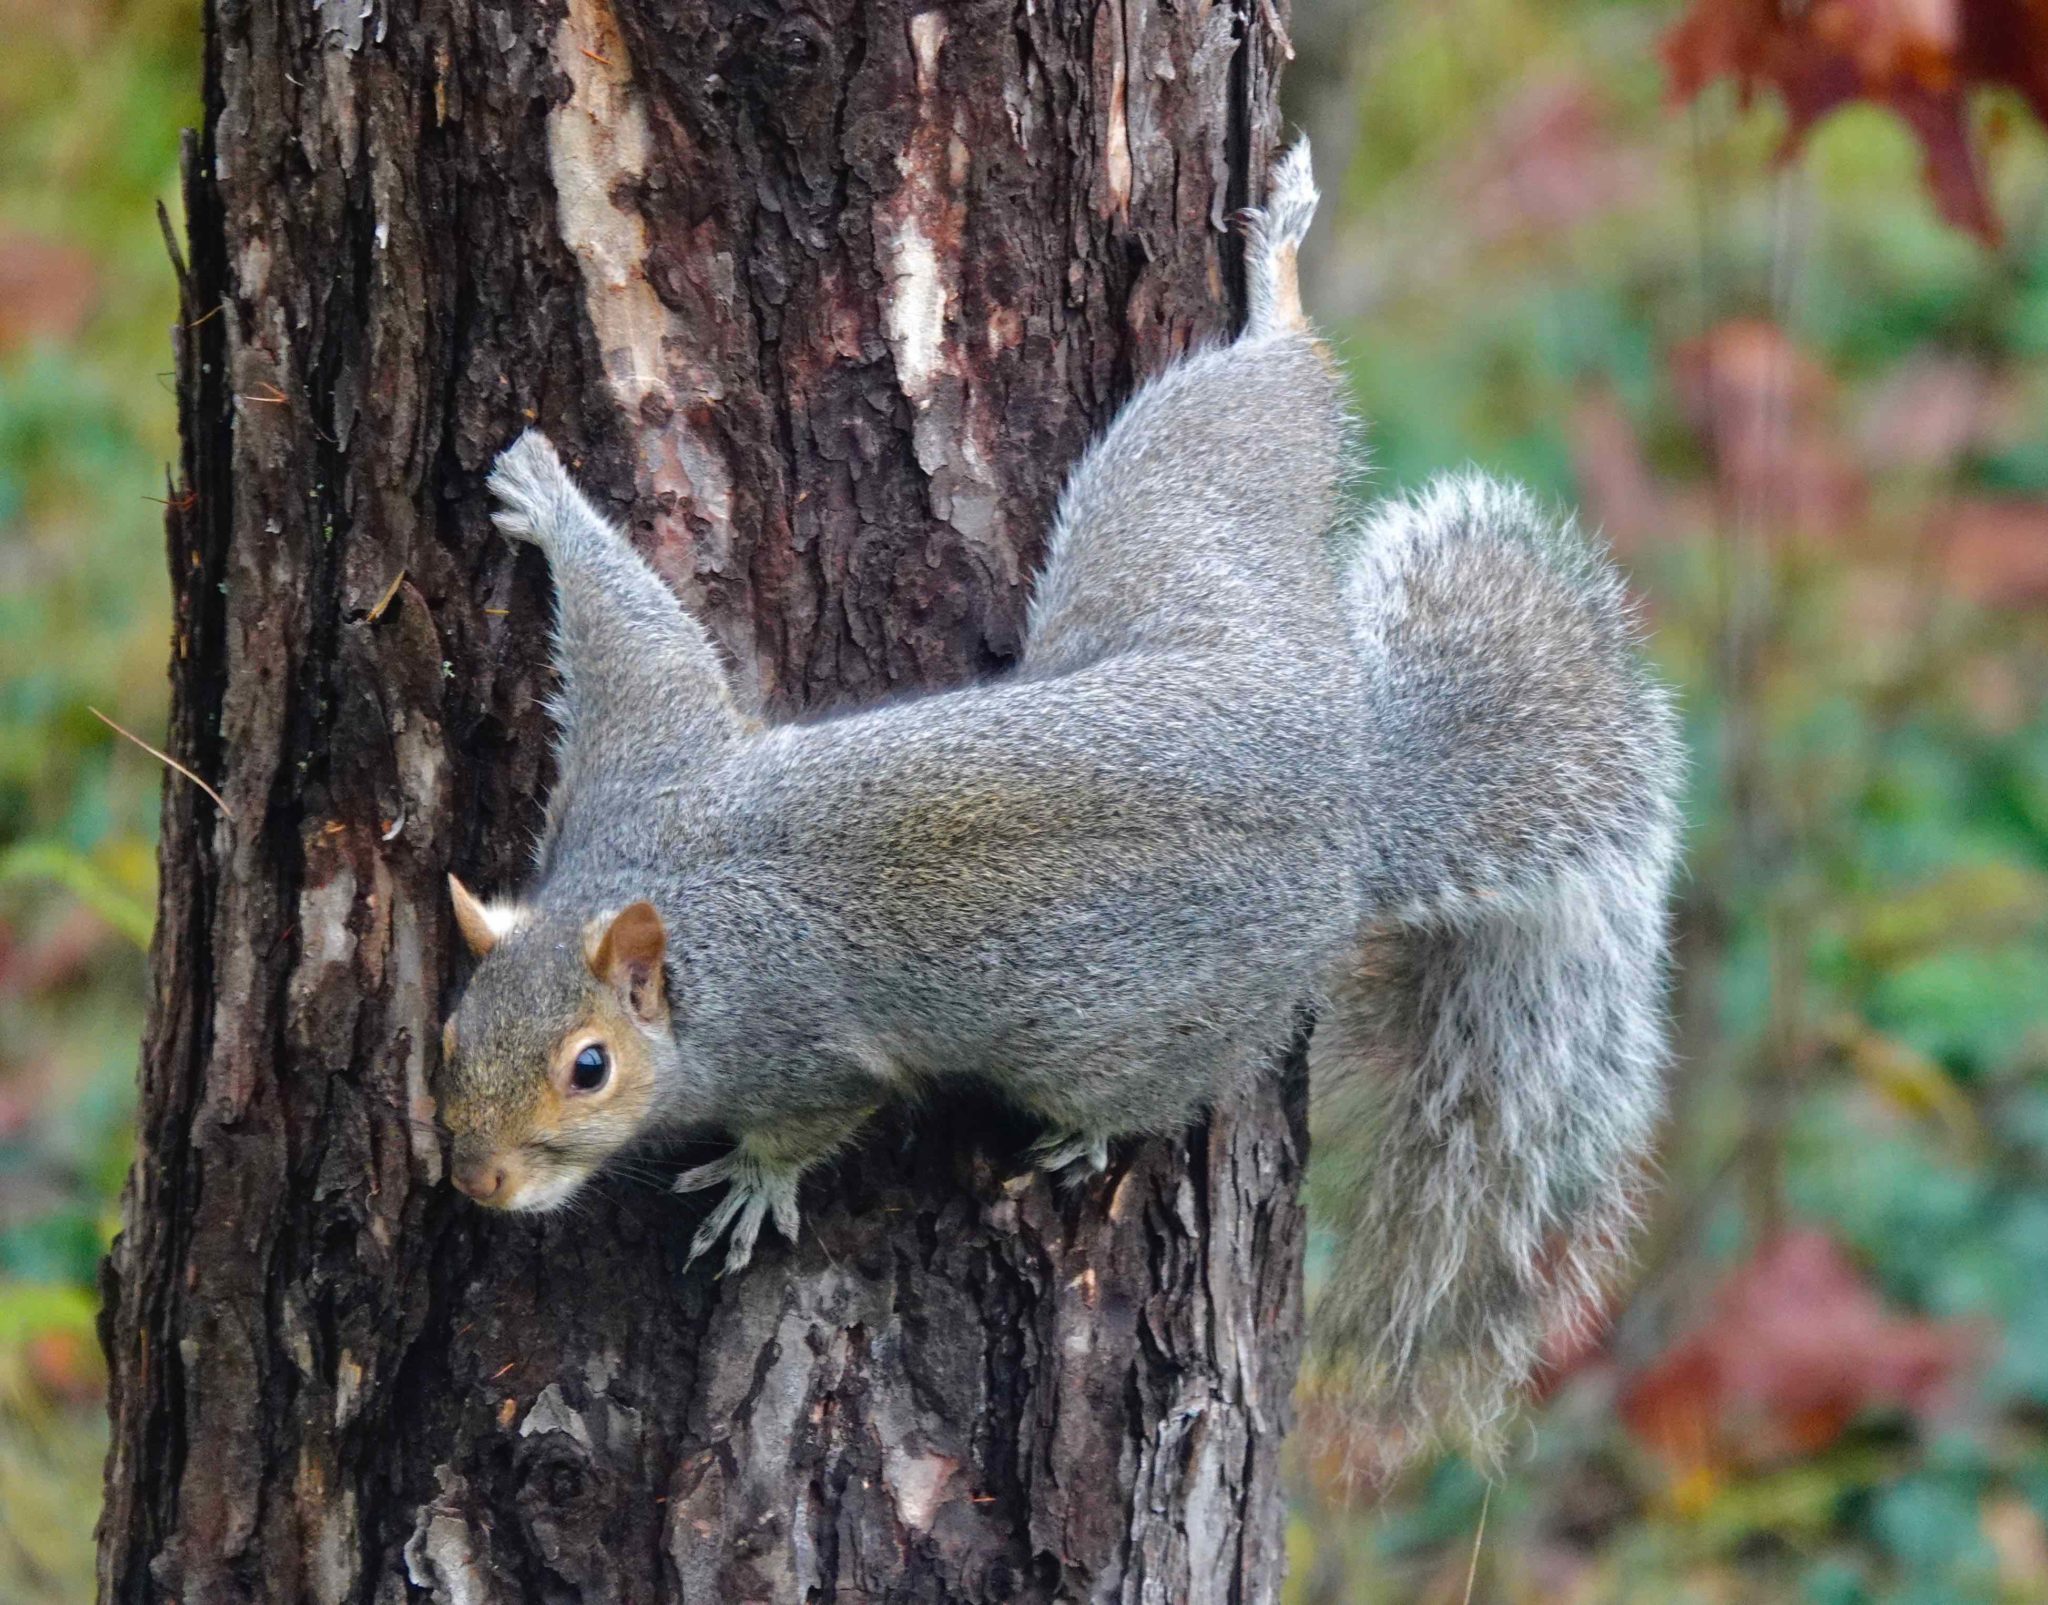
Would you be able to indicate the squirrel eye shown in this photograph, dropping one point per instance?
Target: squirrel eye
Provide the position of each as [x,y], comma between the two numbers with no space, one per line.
[590,1070]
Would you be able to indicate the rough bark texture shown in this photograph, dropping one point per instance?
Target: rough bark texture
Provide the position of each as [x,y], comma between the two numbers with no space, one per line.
[821,301]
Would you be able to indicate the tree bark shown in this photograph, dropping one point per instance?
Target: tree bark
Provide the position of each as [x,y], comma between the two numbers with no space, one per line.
[820,302]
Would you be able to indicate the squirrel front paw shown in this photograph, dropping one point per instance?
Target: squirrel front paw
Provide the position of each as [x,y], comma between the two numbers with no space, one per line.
[757,1190]
[531,486]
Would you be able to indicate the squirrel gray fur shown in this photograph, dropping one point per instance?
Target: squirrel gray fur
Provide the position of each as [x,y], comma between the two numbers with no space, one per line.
[1405,767]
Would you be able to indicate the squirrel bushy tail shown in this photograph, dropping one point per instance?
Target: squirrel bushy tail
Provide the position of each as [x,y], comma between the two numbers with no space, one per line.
[1486,1063]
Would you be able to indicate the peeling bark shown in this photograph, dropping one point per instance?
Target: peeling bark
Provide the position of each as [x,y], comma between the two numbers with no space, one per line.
[821,302]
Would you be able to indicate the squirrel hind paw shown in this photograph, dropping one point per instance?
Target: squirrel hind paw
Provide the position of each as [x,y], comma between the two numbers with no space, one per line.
[1273,234]
[1070,1157]
[1291,196]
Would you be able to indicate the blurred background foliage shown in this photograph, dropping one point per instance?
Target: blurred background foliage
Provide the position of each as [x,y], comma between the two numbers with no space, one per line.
[1807,400]
[92,96]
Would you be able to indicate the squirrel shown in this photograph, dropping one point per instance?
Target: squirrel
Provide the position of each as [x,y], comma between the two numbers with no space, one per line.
[1403,766]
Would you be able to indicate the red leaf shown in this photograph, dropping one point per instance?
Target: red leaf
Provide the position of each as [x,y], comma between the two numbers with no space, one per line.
[1796,1347]
[1934,409]
[1919,57]
[1549,159]
[1995,550]
[66,1366]
[1764,408]
[46,290]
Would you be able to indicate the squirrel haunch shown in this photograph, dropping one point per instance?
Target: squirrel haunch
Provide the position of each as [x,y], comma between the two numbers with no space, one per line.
[1406,767]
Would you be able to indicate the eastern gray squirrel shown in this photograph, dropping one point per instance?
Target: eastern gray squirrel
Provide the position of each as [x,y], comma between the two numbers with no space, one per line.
[1404,767]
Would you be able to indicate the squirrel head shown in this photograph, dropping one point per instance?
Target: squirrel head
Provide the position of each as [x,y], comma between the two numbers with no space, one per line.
[552,1061]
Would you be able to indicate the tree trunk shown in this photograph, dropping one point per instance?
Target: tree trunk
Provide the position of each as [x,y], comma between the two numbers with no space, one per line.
[821,302]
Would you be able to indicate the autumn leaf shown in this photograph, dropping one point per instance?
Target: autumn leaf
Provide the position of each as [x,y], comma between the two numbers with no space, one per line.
[1763,408]
[1994,549]
[1796,1346]
[1921,58]
[46,290]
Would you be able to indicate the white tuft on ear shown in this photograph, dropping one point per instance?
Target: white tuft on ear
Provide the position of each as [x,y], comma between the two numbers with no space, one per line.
[482,924]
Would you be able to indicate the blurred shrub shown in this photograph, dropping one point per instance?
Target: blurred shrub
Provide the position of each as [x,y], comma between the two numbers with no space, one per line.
[91,100]
[1812,416]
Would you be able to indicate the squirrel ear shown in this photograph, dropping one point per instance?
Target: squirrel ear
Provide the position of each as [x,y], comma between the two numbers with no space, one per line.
[627,957]
[472,918]
[481,923]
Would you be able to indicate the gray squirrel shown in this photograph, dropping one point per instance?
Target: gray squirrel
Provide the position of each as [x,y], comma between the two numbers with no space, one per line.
[1405,768]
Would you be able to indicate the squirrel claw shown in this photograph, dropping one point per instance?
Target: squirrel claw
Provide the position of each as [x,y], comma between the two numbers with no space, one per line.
[698,1177]
[758,1192]
[1071,1156]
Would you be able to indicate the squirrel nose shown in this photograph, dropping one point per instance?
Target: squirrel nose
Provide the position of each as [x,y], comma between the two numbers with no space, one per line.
[482,1179]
